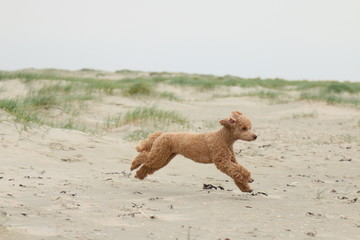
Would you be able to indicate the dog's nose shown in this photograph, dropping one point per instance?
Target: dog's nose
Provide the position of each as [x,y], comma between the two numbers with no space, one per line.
[255,137]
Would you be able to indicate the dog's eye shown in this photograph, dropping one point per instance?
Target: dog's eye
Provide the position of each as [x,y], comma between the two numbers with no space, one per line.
[244,129]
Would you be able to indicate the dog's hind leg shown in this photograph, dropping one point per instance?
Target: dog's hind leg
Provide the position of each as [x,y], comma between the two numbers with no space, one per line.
[147,169]
[159,156]
[140,159]
[146,145]
[144,149]
[152,170]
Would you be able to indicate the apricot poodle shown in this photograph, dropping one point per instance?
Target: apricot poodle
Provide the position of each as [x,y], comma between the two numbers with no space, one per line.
[214,147]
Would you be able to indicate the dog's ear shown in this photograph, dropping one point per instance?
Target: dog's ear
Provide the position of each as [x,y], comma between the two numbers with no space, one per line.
[227,122]
[236,113]
[231,120]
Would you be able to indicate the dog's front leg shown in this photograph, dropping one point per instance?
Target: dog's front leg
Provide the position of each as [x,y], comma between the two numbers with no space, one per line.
[240,175]
[244,187]
[233,159]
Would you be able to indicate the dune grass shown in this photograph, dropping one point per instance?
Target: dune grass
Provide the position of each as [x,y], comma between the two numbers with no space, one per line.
[273,96]
[205,82]
[19,111]
[331,98]
[90,84]
[143,115]
[342,87]
[70,123]
[150,119]
[312,114]
[129,87]
[147,116]
[192,80]
[32,108]
[70,91]
[141,134]
[138,88]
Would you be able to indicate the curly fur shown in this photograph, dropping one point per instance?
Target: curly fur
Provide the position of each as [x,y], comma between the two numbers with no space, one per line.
[214,147]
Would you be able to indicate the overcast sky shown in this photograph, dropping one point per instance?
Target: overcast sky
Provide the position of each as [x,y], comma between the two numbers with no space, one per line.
[292,39]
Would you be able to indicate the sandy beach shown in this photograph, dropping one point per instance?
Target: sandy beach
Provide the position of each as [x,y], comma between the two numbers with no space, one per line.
[69,184]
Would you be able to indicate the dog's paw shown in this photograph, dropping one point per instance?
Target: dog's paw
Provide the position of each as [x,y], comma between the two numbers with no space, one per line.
[246,189]
[141,174]
[248,178]
[243,186]
[133,167]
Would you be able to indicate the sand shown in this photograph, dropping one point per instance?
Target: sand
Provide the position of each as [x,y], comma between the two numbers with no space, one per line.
[67,184]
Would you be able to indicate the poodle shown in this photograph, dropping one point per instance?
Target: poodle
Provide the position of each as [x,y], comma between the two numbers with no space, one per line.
[213,147]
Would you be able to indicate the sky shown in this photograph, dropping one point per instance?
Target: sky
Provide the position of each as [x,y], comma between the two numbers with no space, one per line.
[291,39]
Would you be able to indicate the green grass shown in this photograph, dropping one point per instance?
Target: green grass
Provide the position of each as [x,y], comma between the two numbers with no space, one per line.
[305,115]
[58,88]
[130,87]
[70,123]
[140,134]
[67,97]
[168,95]
[265,94]
[144,116]
[138,88]
[150,119]
[91,84]
[70,91]
[274,96]
[32,108]
[70,95]
[18,109]
[331,98]
[113,122]
[342,87]
[134,86]
[194,80]
[198,82]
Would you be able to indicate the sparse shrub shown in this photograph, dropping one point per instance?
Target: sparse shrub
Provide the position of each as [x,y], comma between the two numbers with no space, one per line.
[45,101]
[102,85]
[138,88]
[17,108]
[147,116]
[139,134]
[57,88]
[168,95]
[69,124]
[143,115]
[9,105]
[87,70]
[342,87]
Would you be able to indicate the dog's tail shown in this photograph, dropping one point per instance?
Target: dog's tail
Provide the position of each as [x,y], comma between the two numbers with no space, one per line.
[147,143]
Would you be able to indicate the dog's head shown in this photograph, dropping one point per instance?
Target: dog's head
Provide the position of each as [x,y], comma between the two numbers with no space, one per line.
[240,126]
